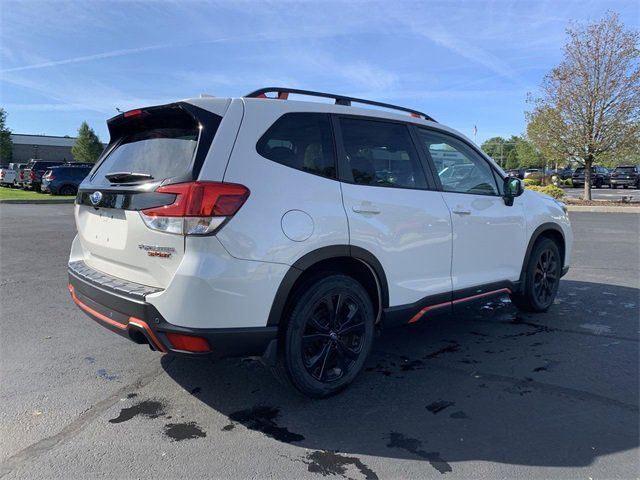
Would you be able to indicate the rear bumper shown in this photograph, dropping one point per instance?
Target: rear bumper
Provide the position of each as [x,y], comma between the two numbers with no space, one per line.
[623,181]
[121,307]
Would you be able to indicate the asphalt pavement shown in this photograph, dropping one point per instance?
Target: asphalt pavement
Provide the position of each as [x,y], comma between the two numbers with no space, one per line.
[487,393]
[605,193]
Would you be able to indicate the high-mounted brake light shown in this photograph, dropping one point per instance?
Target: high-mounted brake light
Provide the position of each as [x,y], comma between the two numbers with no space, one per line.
[133,113]
[200,208]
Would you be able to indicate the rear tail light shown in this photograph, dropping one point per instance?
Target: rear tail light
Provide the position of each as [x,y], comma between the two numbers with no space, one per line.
[32,175]
[21,175]
[200,208]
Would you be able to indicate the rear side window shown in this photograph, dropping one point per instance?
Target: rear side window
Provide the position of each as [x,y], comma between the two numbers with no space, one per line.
[381,154]
[302,141]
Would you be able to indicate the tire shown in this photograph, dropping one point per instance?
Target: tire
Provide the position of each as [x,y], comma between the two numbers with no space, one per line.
[598,183]
[324,352]
[624,187]
[67,190]
[541,278]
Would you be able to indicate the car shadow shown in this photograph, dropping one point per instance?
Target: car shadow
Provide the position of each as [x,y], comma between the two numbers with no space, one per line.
[488,383]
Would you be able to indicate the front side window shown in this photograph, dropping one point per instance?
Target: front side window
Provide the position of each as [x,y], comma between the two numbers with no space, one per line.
[381,154]
[460,168]
[302,141]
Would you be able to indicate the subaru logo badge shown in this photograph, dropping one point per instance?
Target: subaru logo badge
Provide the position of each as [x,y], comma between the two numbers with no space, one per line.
[95,198]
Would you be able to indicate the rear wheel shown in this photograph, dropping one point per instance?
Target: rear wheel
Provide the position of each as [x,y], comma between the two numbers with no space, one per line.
[598,183]
[542,278]
[67,190]
[624,187]
[328,337]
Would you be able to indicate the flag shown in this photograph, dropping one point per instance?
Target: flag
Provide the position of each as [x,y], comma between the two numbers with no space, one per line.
[475,130]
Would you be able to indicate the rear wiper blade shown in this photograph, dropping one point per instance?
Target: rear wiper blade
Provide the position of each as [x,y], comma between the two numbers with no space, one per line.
[126,177]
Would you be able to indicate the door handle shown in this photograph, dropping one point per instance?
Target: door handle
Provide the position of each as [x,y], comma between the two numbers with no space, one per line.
[366,208]
[462,212]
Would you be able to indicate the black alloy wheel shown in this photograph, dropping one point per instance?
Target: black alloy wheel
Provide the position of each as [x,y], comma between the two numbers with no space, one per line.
[333,337]
[328,336]
[541,279]
[545,276]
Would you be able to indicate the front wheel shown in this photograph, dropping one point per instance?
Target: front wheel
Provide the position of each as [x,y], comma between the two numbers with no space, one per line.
[328,337]
[541,279]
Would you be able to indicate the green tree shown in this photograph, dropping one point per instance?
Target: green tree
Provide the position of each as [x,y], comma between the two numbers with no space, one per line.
[6,146]
[528,155]
[501,150]
[589,107]
[87,147]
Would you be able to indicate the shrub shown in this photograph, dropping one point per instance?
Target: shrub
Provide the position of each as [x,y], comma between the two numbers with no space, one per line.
[531,182]
[568,182]
[550,190]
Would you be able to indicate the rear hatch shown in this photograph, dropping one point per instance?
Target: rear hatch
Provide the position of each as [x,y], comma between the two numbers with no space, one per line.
[149,148]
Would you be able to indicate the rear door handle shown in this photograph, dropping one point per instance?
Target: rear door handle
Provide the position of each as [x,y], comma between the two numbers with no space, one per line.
[462,212]
[366,208]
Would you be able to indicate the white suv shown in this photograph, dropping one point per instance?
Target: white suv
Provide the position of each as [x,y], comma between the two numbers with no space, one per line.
[266,226]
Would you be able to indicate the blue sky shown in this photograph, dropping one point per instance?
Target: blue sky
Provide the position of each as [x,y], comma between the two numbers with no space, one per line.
[465,63]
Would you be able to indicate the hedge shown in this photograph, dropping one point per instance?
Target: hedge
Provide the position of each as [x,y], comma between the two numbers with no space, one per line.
[550,190]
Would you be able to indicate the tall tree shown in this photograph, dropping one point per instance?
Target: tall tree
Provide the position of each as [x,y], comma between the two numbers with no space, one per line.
[87,147]
[589,107]
[6,146]
[528,155]
[499,149]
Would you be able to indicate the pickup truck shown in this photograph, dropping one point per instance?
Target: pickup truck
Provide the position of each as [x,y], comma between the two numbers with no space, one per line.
[9,175]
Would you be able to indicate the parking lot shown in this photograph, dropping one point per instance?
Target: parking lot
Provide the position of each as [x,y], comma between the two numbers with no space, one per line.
[492,393]
[605,193]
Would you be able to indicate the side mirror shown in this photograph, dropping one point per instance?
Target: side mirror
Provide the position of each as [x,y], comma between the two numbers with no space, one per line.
[513,187]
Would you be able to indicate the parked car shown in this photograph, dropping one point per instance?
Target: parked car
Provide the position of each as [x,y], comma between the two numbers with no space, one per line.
[33,171]
[626,175]
[543,175]
[565,173]
[300,230]
[516,173]
[600,176]
[2,174]
[64,179]
[9,175]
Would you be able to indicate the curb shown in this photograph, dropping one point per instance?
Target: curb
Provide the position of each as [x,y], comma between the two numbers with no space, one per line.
[602,209]
[37,202]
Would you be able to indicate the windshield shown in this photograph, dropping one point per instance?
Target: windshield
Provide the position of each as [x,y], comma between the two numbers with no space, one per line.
[626,170]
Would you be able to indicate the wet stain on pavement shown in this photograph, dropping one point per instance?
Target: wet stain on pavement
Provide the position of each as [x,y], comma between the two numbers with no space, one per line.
[459,415]
[448,349]
[183,431]
[147,408]
[329,463]
[132,395]
[437,407]
[413,445]
[102,373]
[379,368]
[263,418]
[228,428]
[90,360]
[413,365]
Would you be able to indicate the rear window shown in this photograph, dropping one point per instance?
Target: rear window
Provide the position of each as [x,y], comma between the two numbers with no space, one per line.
[627,170]
[159,152]
[158,143]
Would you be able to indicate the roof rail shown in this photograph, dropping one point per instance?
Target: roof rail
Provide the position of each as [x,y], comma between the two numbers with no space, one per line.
[283,94]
